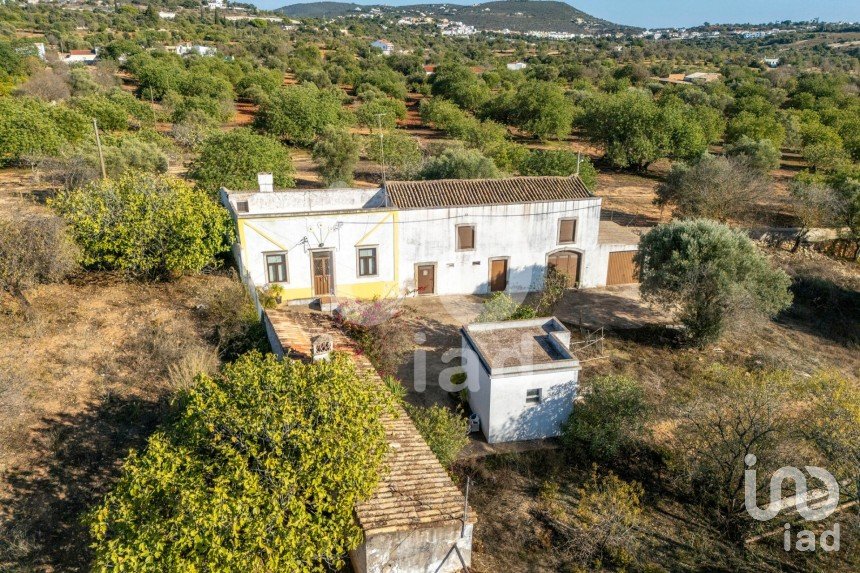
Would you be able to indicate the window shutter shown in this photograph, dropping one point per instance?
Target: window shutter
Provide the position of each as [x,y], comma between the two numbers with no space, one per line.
[465,237]
[566,231]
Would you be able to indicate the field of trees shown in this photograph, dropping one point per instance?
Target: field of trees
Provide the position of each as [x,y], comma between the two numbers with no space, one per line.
[118,287]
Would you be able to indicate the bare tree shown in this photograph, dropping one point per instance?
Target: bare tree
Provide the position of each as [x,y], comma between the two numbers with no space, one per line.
[34,251]
[720,188]
[816,205]
[46,85]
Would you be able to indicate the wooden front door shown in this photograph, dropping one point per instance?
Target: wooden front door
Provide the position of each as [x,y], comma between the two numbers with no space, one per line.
[322,267]
[426,279]
[621,269]
[567,263]
[498,275]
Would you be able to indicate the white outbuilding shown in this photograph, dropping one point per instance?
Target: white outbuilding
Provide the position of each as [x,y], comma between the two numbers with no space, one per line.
[522,377]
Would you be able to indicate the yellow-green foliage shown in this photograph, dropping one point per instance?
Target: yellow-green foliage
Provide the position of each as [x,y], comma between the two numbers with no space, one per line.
[145,225]
[259,471]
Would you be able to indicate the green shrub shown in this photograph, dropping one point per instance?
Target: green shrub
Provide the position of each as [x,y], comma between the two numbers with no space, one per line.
[608,420]
[259,469]
[147,226]
[500,306]
[446,432]
[26,128]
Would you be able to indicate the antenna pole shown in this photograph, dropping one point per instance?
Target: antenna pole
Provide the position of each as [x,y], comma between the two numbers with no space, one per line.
[99,145]
[381,144]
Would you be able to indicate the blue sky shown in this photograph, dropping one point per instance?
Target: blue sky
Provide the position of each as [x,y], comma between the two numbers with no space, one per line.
[655,13]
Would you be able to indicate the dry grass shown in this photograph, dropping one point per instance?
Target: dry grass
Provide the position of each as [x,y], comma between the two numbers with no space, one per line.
[88,378]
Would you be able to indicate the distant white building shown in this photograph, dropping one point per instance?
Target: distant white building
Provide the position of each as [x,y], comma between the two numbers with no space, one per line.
[384,45]
[189,49]
[517,66]
[217,4]
[702,77]
[521,376]
[81,57]
[167,15]
[772,62]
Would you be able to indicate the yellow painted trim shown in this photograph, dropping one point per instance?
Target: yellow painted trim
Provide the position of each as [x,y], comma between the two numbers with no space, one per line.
[267,236]
[381,289]
[240,226]
[298,293]
[395,218]
[374,228]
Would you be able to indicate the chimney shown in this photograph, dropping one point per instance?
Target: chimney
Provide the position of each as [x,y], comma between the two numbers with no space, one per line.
[266,182]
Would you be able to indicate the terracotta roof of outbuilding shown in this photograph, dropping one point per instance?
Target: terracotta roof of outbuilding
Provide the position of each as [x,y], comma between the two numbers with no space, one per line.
[465,192]
[415,492]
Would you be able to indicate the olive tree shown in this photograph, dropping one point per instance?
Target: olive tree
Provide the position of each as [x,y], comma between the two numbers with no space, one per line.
[300,113]
[259,470]
[149,226]
[399,151]
[336,152]
[542,109]
[715,187]
[458,163]
[707,273]
[559,162]
[233,159]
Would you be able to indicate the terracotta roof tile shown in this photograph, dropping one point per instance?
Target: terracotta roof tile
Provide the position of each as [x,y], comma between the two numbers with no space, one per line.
[415,492]
[464,192]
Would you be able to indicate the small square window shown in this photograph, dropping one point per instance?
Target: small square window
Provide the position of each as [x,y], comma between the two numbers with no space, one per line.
[465,237]
[533,396]
[567,231]
[242,206]
[276,267]
[367,262]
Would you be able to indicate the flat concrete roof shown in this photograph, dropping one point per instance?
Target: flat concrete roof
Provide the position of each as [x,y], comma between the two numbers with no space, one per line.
[519,346]
[611,233]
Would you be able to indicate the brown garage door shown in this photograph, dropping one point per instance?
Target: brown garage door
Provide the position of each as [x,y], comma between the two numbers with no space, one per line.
[567,263]
[621,269]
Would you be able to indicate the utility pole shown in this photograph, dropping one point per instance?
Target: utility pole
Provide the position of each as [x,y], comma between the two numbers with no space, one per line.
[381,144]
[99,145]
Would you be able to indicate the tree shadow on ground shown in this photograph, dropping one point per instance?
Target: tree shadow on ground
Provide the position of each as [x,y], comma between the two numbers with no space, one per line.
[79,457]
[824,309]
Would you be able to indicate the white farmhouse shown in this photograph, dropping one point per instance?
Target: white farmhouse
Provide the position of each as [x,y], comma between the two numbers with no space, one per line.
[521,376]
[426,238]
[517,66]
[384,45]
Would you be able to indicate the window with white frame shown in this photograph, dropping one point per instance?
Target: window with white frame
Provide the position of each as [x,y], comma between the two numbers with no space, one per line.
[533,396]
[367,262]
[276,267]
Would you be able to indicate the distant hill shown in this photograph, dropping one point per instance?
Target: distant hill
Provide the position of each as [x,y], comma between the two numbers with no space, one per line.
[515,15]
[522,16]
[320,9]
